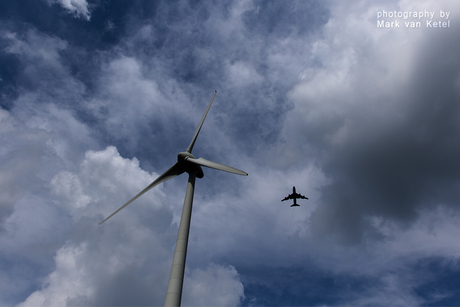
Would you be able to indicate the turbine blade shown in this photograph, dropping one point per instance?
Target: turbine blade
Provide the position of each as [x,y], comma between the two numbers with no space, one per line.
[172,172]
[218,166]
[190,147]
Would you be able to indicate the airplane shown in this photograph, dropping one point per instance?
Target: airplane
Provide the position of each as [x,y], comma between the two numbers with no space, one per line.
[294,196]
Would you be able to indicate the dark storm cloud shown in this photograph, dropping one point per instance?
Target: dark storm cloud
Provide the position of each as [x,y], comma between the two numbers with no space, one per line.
[396,170]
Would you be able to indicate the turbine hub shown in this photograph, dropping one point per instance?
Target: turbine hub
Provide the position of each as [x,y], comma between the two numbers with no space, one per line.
[187,166]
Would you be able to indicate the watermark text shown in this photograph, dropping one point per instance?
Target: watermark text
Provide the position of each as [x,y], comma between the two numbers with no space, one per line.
[413,19]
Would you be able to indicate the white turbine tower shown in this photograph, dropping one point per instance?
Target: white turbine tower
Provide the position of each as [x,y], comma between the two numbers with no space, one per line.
[186,162]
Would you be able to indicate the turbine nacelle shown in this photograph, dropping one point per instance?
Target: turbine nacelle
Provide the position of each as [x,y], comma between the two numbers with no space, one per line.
[187,166]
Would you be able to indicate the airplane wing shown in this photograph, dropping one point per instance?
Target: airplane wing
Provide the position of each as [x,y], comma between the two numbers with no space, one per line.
[301,196]
[290,196]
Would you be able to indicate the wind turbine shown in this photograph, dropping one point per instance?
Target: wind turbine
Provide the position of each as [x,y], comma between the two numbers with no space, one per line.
[186,162]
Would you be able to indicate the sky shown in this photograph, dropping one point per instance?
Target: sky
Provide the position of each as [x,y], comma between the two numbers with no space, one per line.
[356,104]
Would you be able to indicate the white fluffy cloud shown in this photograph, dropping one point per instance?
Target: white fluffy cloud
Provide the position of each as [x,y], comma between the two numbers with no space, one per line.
[76,7]
[70,280]
[95,257]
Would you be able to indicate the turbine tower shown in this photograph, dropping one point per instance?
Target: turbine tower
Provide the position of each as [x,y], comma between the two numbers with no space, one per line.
[186,162]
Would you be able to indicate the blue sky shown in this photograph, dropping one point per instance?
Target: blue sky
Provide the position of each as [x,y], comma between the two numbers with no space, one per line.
[98,97]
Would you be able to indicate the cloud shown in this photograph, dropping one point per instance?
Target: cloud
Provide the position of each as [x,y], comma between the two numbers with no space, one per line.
[93,262]
[32,228]
[216,285]
[391,291]
[76,7]
[71,280]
